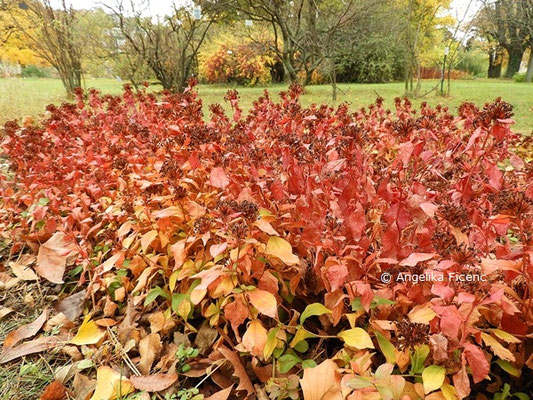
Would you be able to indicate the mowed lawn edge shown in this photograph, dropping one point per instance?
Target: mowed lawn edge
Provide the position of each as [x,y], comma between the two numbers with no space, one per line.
[21,97]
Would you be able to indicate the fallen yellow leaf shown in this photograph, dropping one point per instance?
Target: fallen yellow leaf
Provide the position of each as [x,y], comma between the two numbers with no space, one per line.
[110,385]
[89,333]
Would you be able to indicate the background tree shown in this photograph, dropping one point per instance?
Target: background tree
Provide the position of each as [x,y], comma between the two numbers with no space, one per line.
[168,46]
[304,30]
[506,21]
[421,19]
[52,34]
[13,45]
[459,34]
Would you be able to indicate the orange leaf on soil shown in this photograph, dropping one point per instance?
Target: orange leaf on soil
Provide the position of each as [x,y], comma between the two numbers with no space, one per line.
[52,257]
[25,331]
[54,391]
[244,380]
[154,383]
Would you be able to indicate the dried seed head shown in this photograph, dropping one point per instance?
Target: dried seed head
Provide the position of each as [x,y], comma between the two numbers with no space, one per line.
[455,215]
[409,334]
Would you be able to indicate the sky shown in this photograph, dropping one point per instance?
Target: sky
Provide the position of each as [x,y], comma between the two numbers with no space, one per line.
[153,7]
[163,7]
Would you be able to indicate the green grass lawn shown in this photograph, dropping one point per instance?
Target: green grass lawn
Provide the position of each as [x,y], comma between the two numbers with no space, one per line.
[21,97]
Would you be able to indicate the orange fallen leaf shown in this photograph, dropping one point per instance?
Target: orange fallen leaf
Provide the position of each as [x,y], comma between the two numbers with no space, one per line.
[255,338]
[322,382]
[25,331]
[244,380]
[52,257]
[154,383]
[221,395]
[264,301]
[105,322]
[54,391]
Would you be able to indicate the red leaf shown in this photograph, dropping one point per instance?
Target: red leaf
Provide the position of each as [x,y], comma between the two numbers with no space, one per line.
[218,178]
[478,362]
[415,258]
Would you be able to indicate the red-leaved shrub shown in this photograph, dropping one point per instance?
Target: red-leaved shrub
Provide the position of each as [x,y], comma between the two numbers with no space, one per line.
[393,248]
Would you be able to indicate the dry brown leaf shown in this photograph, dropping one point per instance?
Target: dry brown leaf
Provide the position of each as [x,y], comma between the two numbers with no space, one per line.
[7,281]
[72,352]
[52,257]
[158,323]
[71,306]
[25,331]
[205,338]
[168,357]
[149,349]
[221,395]
[322,382]
[154,383]
[23,272]
[5,311]
[54,391]
[83,386]
[35,346]
[60,321]
[244,380]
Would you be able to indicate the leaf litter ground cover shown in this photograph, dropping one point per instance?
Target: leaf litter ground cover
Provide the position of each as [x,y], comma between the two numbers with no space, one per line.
[288,253]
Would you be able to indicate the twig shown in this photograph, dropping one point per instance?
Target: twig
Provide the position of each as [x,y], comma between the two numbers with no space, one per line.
[210,373]
[428,92]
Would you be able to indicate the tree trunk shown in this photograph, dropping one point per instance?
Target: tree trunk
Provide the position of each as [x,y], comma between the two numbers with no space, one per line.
[495,64]
[515,59]
[529,73]
[333,80]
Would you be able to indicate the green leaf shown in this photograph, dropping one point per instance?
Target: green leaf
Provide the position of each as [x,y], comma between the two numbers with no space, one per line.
[177,298]
[152,295]
[308,364]
[508,367]
[356,304]
[301,347]
[287,361]
[433,378]
[357,337]
[314,309]
[44,201]
[301,334]
[380,301]
[418,358]
[386,347]
[271,343]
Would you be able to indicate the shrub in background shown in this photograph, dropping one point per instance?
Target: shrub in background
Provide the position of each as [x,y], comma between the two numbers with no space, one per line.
[234,60]
[33,71]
